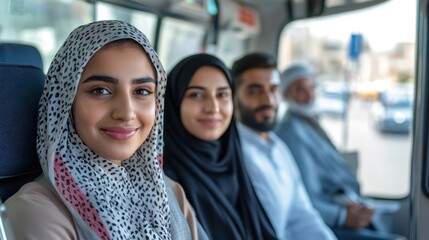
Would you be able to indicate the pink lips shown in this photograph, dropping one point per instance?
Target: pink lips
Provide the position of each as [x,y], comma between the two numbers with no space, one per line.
[209,122]
[119,133]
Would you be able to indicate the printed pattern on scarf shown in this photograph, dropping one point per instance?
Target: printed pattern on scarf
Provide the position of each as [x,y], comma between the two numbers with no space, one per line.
[106,200]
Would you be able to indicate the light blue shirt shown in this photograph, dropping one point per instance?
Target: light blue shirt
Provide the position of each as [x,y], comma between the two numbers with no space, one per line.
[279,187]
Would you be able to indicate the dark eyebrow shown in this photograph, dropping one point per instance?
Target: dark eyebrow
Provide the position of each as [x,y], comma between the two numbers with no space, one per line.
[116,81]
[224,88]
[203,88]
[195,87]
[143,80]
[254,86]
[101,78]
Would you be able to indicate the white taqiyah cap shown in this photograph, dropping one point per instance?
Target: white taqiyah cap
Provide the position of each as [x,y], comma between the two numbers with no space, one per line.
[293,72]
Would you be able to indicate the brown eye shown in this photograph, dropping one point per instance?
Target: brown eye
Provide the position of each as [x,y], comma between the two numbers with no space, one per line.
[100,91]
[196,95]
[143,92]
[254,91]
[224,95]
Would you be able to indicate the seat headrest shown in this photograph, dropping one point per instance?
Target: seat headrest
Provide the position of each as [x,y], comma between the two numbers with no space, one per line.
[24,54]
[21,87]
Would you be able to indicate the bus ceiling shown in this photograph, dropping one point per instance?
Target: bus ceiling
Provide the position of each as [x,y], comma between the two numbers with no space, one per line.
[340,6]
[258,22]
[300,9]
[294,9]
[190,10]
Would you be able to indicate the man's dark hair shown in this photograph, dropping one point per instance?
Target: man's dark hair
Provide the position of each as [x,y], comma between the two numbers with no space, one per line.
[249,61]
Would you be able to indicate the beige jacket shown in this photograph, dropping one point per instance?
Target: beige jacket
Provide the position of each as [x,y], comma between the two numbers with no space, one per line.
[35,212]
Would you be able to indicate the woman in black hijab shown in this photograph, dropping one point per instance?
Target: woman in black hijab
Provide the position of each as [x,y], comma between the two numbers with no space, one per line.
[202,150]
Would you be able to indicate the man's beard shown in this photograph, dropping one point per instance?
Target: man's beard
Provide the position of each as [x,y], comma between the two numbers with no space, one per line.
[307,109]
[247,117]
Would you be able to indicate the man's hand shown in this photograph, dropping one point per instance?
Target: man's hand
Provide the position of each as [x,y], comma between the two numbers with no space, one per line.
[358,216]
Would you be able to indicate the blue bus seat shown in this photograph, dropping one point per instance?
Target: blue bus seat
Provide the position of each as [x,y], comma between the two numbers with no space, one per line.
[20,90]
[22,54]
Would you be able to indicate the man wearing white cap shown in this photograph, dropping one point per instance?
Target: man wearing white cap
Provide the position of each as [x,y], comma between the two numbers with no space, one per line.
[331,185]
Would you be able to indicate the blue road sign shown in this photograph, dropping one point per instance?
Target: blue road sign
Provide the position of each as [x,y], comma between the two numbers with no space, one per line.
[355,46]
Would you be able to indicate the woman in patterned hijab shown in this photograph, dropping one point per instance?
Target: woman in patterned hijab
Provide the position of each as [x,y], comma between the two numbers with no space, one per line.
[99,138]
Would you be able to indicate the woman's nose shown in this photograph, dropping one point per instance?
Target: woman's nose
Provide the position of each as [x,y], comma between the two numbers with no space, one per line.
[211,105]
[123,108]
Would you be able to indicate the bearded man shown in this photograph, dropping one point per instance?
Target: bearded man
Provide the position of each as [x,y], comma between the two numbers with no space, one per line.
[333,188]
[270,165]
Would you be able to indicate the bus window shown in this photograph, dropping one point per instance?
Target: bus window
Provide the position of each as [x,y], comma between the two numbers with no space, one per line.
[179,38]
[144,21]
[230,47]
[239,24]
[381,134]
[44,24]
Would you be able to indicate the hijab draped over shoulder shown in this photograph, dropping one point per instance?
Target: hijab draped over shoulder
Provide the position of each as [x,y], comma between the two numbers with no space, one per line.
[106,201]
[212,173]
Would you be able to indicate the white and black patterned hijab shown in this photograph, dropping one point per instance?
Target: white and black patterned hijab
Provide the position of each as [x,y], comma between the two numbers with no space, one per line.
[107,201]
